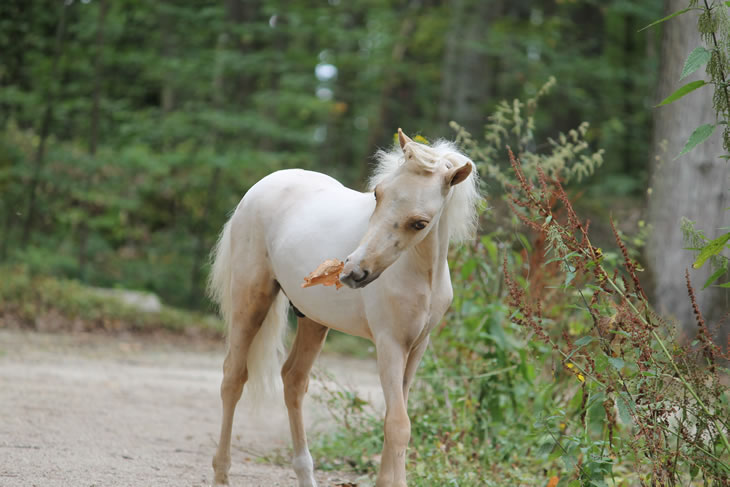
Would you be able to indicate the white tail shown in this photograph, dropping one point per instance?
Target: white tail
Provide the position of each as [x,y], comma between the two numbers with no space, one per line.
[266,352]
[219,281]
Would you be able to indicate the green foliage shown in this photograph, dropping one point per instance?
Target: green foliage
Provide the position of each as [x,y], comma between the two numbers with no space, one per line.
[668,17]
[666,393]
[131,129]
[513,125]
[550,367]
[701,134]
[714,27]
[707,250]
[72,306]
[713,247]
[696,59]
[473,404]
[684,90]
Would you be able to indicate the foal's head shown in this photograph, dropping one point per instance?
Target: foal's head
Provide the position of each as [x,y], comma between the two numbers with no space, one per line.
[411,189]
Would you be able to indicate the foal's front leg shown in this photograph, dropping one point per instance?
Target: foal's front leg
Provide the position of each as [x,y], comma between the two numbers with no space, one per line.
[392,357]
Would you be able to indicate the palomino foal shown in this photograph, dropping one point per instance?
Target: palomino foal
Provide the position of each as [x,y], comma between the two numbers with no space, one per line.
[396,240]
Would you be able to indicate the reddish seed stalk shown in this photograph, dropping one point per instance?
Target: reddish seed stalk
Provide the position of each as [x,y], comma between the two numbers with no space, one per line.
[630,332]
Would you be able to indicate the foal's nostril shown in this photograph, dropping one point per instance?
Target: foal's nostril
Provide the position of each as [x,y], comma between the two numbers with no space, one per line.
[362,277]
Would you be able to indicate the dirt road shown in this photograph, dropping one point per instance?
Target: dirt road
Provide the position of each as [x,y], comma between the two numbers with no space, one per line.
[93,410]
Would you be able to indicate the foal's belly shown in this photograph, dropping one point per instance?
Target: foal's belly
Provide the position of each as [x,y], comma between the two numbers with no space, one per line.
[308,218]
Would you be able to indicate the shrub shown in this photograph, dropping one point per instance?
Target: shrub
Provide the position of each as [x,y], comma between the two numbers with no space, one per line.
[551,368]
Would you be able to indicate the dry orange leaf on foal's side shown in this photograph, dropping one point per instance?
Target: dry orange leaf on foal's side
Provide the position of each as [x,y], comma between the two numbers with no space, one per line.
[326,274]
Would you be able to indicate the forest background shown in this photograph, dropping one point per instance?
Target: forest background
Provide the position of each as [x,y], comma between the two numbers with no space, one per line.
[129,130]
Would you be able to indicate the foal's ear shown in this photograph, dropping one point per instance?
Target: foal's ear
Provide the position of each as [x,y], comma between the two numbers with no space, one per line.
[403,139]
[459,174]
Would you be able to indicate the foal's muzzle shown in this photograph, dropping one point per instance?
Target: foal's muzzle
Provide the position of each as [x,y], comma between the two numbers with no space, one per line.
[356,277]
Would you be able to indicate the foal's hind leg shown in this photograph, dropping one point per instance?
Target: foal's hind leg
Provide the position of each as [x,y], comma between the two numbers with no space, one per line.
[252,300]
[295,373]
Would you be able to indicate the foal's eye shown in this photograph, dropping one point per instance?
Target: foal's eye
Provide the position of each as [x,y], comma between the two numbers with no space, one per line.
[419,225]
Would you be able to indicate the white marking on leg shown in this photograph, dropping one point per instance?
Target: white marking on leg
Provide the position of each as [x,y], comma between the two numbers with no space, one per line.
[304,468]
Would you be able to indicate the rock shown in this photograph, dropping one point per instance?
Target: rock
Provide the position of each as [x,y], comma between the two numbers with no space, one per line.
[139,300]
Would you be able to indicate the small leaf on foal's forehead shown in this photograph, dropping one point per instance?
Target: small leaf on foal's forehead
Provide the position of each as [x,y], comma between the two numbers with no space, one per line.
[420,139]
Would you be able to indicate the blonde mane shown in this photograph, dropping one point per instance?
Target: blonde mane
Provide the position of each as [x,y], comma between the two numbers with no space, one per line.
[461,209]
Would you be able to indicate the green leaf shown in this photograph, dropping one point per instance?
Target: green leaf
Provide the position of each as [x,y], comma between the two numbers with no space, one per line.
[569,276]
[468,268]
[670,16]
[624,410]
[713,247]
[716,275]
[694,469]
[697,58]
[570,462]
[584,340]
[688,88]
[559,257]
[701,134]
[726,284]
[617,363]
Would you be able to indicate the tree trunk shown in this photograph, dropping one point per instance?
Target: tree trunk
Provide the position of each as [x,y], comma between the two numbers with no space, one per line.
[83,231]
[465,83]
[45,127]
[169,43]
[692,186]
[238,88]
[201,227]
[628,106]
[201,246]
[378,126]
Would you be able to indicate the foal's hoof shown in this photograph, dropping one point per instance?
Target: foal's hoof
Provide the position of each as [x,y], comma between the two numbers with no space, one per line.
[308,482]
[221,478]
[221,472]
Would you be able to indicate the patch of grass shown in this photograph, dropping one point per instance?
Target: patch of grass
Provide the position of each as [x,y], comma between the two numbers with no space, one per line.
[339,343]
[30,300]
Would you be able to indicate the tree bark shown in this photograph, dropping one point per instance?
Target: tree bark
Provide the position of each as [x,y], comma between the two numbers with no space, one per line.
[238,88]
[628,107]
[83,231]
[379,126]
[466,80]
[201,227]
[45,128]
[692,186]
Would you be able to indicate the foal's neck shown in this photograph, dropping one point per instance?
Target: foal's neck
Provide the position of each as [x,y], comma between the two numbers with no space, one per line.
[435,247]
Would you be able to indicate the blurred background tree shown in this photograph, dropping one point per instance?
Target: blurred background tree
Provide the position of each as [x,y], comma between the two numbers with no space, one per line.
[130,129]
[692,187]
